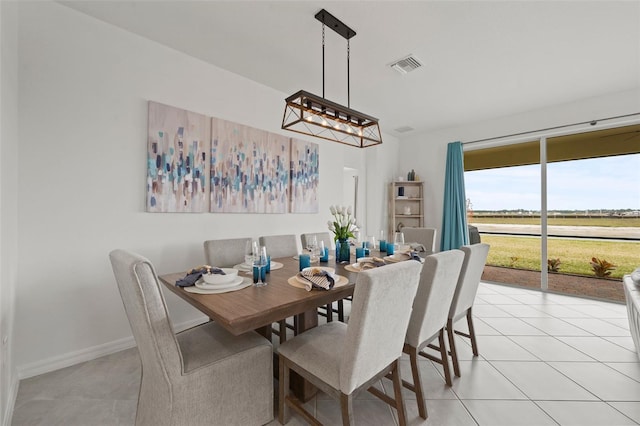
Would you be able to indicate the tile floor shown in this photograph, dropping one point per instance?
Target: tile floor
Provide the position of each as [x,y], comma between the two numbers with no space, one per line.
[545,359]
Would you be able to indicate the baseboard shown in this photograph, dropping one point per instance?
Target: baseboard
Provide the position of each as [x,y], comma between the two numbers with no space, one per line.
[83,355]
[11,401]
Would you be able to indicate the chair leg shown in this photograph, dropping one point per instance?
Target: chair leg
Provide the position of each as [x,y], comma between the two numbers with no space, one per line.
[445,358]
[340,310]
[346,406]
[417,384]
[282,331]
[452,345]
[330,312]
[472,333]
[397,390]
[283,392]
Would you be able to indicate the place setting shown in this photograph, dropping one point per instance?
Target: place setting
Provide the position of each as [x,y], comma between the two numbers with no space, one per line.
[316,277]
[212,280]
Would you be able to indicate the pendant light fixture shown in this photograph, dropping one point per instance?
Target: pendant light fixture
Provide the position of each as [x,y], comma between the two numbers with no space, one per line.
[313,115]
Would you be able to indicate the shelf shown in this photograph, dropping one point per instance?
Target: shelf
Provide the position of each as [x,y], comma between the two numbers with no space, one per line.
[412,197]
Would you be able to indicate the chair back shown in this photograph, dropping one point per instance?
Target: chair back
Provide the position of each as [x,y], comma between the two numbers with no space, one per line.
[475,257]
[225,253]
[320,236]
[438,280]
[380,314]
[424,236]
[280,245]
[147,312]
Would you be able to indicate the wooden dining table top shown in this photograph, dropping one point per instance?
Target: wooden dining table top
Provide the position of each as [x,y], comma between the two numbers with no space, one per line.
[253,307]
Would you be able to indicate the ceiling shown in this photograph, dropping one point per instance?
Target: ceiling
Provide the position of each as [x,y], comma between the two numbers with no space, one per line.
[481,59]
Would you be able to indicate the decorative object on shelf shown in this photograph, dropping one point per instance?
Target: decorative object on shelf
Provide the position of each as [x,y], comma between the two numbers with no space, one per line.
[411,176]
[401,191]
[313,115]
[407,210]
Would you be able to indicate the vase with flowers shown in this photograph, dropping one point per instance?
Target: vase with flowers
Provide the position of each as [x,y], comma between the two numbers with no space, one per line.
[343,226]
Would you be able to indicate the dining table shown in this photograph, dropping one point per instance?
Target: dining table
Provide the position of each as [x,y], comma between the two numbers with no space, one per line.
[257,308]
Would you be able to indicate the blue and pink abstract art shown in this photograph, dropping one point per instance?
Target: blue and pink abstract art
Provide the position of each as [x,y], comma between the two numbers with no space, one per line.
[198,164]
[249,169]
[305,176]
[177,160]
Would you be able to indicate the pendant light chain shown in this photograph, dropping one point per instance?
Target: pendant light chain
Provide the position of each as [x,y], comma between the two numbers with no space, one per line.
[348,79]
[323,59]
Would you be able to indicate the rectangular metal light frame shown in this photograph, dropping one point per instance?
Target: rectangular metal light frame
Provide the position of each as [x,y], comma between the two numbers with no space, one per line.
[313,115]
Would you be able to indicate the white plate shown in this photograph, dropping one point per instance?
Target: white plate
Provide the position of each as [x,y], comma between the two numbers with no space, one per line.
[399,257]
[204,286]
[246,282]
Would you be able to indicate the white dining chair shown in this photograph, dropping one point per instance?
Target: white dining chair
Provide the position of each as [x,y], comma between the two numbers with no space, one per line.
[225,253]
[344,359]
[429,316]
[201,376]
[475,258]
[424,236]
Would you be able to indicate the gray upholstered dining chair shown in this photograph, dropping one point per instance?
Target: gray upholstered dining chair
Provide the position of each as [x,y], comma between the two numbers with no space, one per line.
[475,257]
[424,236]
[203,375]
[329,310]
[280,245]
[429,316]
[225,253]
[320,236]
[344,359]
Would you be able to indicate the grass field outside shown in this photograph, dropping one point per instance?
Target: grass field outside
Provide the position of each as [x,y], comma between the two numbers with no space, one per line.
[574,255]
[611,222]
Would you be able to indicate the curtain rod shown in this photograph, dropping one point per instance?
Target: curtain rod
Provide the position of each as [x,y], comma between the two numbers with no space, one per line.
[592,122]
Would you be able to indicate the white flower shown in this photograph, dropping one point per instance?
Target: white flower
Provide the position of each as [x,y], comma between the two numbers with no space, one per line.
[349,211]
[332,209]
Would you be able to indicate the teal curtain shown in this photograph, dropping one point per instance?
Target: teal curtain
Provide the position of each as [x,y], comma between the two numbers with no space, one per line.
[454,216]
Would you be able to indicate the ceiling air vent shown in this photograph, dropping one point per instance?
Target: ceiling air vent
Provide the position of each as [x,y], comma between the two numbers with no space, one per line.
[406,64]
[403,129]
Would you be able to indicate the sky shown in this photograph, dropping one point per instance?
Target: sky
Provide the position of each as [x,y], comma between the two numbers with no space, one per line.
[593,184]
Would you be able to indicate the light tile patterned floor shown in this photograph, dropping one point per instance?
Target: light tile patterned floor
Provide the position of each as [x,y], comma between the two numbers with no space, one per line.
[545,359]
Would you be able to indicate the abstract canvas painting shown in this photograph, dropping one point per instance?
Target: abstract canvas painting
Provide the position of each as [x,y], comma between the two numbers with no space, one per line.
[177,160]
[249,169]
[305,176]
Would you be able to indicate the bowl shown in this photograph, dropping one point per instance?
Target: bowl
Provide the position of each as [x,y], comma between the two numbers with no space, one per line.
[230,274]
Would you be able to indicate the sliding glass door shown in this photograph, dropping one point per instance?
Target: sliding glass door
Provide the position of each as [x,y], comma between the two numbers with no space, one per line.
[561,213]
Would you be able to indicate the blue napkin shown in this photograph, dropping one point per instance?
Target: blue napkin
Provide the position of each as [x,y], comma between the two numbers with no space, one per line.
[195,274]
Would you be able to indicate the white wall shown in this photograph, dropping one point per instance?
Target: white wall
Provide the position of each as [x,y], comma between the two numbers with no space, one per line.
[84,87]
[426,153]
[8,201]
